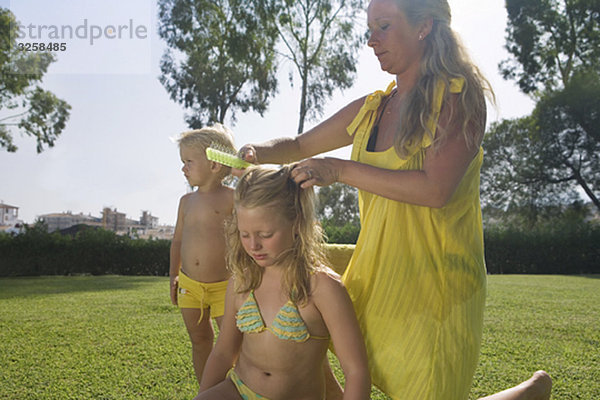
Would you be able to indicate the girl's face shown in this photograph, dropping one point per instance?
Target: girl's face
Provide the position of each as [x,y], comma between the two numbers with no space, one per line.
[264,233]
[394,40]
[196,167]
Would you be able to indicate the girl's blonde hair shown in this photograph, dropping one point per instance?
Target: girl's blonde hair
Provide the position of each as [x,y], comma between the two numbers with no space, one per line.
[444,58]
[275,189]
[200,139]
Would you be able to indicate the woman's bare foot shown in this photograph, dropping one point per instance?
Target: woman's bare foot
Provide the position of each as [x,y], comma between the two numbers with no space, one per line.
[539,386]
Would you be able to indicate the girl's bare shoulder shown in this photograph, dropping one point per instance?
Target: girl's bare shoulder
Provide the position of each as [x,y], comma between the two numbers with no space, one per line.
[326,280]
[237,296]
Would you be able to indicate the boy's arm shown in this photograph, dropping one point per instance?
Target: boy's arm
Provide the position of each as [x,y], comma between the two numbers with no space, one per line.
[175,253]
[227,348]
[335,306]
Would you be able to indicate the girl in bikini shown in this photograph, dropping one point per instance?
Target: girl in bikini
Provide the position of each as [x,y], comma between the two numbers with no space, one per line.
[283,304]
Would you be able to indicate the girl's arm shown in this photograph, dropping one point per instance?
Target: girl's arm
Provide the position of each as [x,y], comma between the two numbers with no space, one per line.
[227,348]
[335,306]
[329,135]
[175,253]
[432,186]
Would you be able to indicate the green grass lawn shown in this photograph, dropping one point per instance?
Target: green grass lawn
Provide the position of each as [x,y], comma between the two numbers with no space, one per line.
[114,337]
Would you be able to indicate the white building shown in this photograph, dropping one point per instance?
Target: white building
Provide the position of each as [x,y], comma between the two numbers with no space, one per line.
[111,219]
[148,221]
[58,221]
[9,215]
[9,219]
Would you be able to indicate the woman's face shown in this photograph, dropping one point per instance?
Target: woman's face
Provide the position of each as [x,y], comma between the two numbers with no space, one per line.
[394,40]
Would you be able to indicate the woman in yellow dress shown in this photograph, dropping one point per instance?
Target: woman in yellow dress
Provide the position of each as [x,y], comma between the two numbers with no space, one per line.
[417,277]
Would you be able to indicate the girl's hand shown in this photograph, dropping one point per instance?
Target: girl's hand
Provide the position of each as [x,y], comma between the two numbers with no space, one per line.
[317,171]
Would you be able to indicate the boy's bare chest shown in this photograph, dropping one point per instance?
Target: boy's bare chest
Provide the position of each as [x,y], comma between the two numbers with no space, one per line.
[202,210]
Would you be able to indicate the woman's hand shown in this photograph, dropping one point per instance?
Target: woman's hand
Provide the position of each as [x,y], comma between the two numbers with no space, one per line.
[317,171]
[246,153]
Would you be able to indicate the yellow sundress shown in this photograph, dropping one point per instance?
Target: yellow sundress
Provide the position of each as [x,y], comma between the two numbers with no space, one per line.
[417,277]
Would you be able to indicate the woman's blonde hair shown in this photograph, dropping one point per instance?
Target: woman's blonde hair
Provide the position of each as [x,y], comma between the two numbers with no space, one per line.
[275,189]
[444,58]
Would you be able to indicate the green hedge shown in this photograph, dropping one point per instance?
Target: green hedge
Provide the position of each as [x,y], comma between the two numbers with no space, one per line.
[95,252]
[568,250]
[346,234]
[562,249]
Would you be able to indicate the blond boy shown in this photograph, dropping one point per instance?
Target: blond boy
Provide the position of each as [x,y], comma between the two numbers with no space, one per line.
[197,265]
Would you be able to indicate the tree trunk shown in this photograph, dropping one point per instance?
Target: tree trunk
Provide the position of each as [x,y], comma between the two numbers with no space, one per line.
[303,110]
[587,189]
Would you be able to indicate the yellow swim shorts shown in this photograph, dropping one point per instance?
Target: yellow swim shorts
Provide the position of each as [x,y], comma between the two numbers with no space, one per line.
[194,294]
[245,392]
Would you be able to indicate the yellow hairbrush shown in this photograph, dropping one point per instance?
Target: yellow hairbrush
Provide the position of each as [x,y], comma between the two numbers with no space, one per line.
[223,155]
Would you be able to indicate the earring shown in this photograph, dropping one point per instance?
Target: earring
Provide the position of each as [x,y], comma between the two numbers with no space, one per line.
[420,36]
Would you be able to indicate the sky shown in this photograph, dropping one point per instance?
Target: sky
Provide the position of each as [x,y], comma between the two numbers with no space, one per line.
[117,149]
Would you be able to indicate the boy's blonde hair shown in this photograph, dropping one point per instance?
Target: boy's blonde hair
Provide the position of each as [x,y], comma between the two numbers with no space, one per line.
[200,139]
[274,188]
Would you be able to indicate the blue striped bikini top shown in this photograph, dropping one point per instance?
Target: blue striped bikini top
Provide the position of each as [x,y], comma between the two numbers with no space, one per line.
[287,325]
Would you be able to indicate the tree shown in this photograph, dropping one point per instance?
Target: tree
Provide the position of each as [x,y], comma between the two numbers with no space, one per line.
[543,158]
[320,39]
[337,209]
[567,126]
[513,173]
[25,106]
[220,58]
[550,40]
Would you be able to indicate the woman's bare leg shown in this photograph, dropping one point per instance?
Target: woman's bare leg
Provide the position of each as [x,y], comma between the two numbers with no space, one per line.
[537,387]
